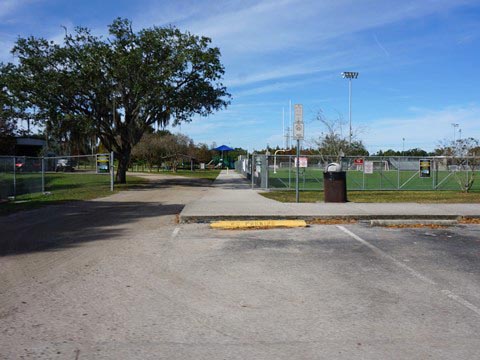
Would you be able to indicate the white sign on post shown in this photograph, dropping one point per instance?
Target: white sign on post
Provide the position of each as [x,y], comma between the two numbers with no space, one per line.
[298,131]
[368,167]
[298,113]
[298,128]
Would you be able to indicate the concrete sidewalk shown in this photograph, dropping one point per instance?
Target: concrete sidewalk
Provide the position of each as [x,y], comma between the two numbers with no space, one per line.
[231,198]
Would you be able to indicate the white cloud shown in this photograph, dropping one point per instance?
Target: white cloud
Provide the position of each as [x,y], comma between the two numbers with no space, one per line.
[269,25]
[299,67]
[10,7]
[425,128]
[274,87]
[272,39]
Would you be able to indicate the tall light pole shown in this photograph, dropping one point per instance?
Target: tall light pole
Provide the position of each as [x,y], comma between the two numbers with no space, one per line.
[350,75]
[454,131]
[403,147]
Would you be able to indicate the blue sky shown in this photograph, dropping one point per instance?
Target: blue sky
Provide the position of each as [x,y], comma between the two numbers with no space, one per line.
[417,59]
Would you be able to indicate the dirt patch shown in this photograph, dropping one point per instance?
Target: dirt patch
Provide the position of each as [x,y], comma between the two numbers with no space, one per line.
[416,226]
[331,221]
[469,221]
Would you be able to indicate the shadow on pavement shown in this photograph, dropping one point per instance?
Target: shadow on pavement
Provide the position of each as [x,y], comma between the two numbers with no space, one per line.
[57,227]
[236,183]
[174,181]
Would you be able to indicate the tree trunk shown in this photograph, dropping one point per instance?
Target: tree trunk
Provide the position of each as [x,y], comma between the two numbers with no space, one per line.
[123,161]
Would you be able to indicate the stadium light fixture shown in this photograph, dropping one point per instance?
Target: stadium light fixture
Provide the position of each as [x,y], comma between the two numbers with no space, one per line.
[455,126]
[350,75]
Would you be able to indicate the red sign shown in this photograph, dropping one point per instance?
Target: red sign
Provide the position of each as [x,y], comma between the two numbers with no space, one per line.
[303,162]
[358,161]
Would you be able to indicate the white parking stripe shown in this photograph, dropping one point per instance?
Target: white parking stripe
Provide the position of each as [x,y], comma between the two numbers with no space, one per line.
[385,255]
[461,300]
[413,272]
[175,232]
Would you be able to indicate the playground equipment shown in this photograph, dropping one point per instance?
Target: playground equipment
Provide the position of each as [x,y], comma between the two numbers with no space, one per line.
[218,163]
[221,162]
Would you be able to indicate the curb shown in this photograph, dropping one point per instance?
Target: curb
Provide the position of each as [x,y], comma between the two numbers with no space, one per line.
[312,218]
[426,222]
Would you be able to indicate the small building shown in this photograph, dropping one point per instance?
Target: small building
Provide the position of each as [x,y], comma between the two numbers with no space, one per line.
[28,146]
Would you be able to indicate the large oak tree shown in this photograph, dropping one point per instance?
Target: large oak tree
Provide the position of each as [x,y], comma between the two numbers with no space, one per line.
[118,87]
[9,112]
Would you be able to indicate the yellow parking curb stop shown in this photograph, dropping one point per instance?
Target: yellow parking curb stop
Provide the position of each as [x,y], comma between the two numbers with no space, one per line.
[257,224]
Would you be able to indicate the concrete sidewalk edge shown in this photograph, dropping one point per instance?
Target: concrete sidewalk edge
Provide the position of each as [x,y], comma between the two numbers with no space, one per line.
[231,198]
[311,218]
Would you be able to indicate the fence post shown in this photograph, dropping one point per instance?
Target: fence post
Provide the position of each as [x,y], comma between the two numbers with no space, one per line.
[289,172]
[363,174]
[266,172]
[399,160]
[112,171]
[297,172]
[14,178]
[253,169]
[468,176]
[43,174]
[381,172]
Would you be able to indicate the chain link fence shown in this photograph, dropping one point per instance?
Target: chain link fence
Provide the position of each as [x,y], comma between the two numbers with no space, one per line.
[364,173]
[21,175]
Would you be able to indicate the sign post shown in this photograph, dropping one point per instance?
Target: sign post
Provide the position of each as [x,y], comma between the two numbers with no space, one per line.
[298,134]
[112,171]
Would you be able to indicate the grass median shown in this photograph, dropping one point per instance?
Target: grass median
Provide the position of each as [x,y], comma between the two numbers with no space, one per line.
[64,187]
[429,197]
[76,186]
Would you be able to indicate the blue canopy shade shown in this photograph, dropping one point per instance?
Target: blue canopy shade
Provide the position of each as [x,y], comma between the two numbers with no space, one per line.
[223,148]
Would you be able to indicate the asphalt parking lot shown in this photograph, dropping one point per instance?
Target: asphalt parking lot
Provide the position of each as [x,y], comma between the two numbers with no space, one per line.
[346,291]
[134,284]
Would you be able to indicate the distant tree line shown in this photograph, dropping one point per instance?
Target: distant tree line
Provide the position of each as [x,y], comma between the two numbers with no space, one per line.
[164,150]
[409,152]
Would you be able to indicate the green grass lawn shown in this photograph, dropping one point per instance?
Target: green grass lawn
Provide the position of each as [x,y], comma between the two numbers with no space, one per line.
[312,179]
[63,187]
[381,196]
